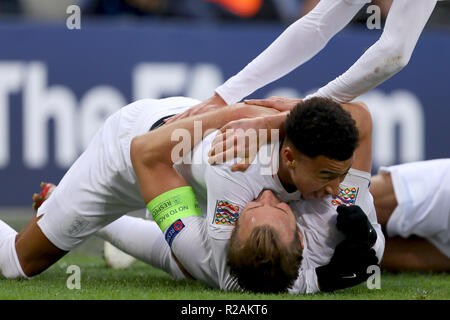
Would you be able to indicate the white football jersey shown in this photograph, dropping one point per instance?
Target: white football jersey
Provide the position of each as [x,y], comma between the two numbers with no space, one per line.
[317,222]
[229,192]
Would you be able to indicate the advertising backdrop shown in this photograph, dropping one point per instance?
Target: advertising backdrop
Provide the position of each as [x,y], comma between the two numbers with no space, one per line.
[57,86]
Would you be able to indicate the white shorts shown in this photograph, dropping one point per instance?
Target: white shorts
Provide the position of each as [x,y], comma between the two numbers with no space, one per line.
[422,190]
[101,185]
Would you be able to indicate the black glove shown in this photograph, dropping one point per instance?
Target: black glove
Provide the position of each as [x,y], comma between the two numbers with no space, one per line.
[355,225]
[347,267]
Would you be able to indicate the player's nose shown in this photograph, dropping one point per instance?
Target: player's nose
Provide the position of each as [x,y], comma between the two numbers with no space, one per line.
[332,189]
[267,197]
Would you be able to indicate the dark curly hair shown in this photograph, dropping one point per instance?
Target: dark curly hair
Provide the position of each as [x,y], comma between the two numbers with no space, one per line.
[321,127]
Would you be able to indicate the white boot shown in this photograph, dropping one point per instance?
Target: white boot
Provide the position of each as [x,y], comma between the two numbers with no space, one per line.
[116,258]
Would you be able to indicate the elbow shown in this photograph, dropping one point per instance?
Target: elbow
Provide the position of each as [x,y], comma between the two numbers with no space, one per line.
[139,153]
[395,58]
[135,156]
[399,58]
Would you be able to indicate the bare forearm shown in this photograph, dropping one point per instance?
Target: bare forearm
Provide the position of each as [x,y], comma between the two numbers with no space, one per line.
[156,146]
[276,122]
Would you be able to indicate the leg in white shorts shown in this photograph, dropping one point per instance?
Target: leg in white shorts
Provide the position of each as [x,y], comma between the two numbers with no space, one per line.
[143,240]
[422,190]
[101,185]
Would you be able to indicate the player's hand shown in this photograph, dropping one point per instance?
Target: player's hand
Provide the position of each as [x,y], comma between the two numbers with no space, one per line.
[211,104]
[241,139]
[354,224]
[350,255]
[46,190]
[347,267]
[278,103]
[232,142]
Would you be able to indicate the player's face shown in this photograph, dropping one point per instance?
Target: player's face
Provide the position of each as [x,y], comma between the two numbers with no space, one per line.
[318,177]
[268,210]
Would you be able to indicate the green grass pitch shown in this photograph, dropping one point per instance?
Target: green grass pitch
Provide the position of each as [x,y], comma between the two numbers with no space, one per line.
[144,282]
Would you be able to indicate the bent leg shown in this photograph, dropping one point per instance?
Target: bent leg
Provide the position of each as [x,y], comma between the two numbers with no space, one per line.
[143,240]
[35,252]
[413,254]
[25,254]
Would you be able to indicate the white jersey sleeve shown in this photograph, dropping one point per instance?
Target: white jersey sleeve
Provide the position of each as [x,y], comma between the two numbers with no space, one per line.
[317,222]
[364,200]
[228,193]
[222,195]
[404,24]
[297,44]
[226,200]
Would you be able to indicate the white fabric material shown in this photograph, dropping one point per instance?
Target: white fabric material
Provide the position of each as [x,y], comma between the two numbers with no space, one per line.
[309,35]
[316,219]
[423,194]
[297,44]
[404,24]
[143,240]
[238,188]
[192,248]
[101,185]
[10,266]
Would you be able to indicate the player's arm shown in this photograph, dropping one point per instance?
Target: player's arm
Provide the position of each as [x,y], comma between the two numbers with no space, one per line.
[167,193]
[301,41]
[390,54]
[154,153]
[364,241]
[362,218]
[222,149]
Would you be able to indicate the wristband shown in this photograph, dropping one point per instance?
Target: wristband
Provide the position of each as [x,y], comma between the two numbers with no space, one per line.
[173,205]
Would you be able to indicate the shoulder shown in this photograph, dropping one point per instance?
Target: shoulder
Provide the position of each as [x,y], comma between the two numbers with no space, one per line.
[251,179]
[358,110]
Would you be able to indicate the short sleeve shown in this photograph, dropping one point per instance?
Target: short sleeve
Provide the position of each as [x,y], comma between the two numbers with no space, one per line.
[226,200]
[355,190]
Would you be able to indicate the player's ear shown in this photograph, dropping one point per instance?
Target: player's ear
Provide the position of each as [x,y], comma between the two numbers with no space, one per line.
[301,238]
[288,155]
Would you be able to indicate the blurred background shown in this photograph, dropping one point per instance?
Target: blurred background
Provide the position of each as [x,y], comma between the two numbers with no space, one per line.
[248,11]
[61,77]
